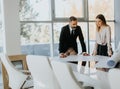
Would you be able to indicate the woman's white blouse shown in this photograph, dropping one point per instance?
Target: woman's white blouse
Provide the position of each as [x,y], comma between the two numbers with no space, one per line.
[103,37]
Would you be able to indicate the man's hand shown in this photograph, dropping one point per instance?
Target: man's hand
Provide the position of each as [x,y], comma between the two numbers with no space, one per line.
[62,55]
[85,54]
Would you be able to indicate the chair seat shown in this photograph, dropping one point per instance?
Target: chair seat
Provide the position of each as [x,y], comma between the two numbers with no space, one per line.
[29,83]
[17,79]
[42,72]
[114,78]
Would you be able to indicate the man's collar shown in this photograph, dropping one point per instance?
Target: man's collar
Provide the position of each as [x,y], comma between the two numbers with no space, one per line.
[70,28]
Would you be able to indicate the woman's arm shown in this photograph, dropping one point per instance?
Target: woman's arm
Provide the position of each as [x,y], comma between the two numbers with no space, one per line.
[108,40]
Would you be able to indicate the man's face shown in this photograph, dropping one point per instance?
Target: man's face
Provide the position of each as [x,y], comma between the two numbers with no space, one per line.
[73,24]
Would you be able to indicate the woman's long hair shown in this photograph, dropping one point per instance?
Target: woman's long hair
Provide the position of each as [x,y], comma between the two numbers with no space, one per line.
[102,18]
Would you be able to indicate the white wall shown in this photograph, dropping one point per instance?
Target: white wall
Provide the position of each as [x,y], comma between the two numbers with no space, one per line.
[11,26]
[117,22]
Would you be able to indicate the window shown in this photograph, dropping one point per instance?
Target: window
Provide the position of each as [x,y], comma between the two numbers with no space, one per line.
[32,33]
[105,7]
[57,30]
[1,37]
[35,10]
[92,35]
[1,32]
[35,38]
[35,17]
[63,9]
[42,20]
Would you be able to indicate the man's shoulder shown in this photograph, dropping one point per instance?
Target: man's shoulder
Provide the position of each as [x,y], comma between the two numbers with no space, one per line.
[78,26]
[66,26]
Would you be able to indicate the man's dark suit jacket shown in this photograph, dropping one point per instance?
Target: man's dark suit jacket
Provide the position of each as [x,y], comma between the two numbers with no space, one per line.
[67,41]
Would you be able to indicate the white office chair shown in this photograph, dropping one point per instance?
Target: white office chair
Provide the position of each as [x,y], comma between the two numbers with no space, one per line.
[17,79]
[65,76]
[68,80]
[103,79]
[43,75]
[114,78]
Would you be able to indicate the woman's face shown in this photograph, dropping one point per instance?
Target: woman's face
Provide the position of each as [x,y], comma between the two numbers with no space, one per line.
[99,22]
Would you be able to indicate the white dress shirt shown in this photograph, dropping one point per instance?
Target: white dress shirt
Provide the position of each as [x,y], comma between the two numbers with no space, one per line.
[70,29]
[103,37]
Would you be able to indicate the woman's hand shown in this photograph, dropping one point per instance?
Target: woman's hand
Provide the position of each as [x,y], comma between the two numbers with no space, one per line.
[94,53]
[110,53]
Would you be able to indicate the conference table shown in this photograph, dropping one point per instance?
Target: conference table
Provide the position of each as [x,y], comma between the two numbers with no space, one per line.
[102,60]
[100,76]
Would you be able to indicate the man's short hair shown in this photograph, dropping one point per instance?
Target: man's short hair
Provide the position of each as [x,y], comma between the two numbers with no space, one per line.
[72,18]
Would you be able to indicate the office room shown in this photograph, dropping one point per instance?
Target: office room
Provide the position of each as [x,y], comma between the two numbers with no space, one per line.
[34,29]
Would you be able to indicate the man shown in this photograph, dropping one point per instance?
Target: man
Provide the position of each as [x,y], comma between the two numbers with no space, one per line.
[68,37]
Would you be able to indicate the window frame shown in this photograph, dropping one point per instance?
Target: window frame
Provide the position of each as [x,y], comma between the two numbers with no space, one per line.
[56,19]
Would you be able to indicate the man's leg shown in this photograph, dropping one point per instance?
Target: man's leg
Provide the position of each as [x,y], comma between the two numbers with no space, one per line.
[83,63]
[81,67]
[72,52]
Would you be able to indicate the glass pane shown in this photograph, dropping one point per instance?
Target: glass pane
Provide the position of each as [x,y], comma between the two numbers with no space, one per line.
[35,38]
[92,30]
[58,26]
[1,38]
[32,33]
[57,30]
[112,30]
[1,32]
[84,29]
[1,46]
[67,8]
[92,45]
[92,34]
[35,10]
[105,7]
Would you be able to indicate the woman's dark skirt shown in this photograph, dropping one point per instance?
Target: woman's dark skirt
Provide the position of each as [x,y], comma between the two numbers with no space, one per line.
[102,50]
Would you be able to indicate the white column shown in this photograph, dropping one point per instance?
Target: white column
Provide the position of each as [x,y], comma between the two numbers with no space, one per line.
[11,26]
[117,22]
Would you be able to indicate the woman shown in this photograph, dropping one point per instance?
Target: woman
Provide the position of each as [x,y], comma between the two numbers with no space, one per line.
[103,37]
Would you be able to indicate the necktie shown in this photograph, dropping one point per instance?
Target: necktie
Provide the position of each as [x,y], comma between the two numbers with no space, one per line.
[72,32]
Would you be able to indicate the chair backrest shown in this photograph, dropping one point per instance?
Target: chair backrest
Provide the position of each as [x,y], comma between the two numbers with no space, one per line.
[42,73]
[16,78]
[114,78]
[102,77]
[65,75]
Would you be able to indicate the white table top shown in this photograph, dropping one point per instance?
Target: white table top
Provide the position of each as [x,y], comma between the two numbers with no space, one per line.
[102,60]
[81,58]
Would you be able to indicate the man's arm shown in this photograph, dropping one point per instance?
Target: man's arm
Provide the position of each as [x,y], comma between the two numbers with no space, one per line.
[62,53]
[61,41]
[81,38]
